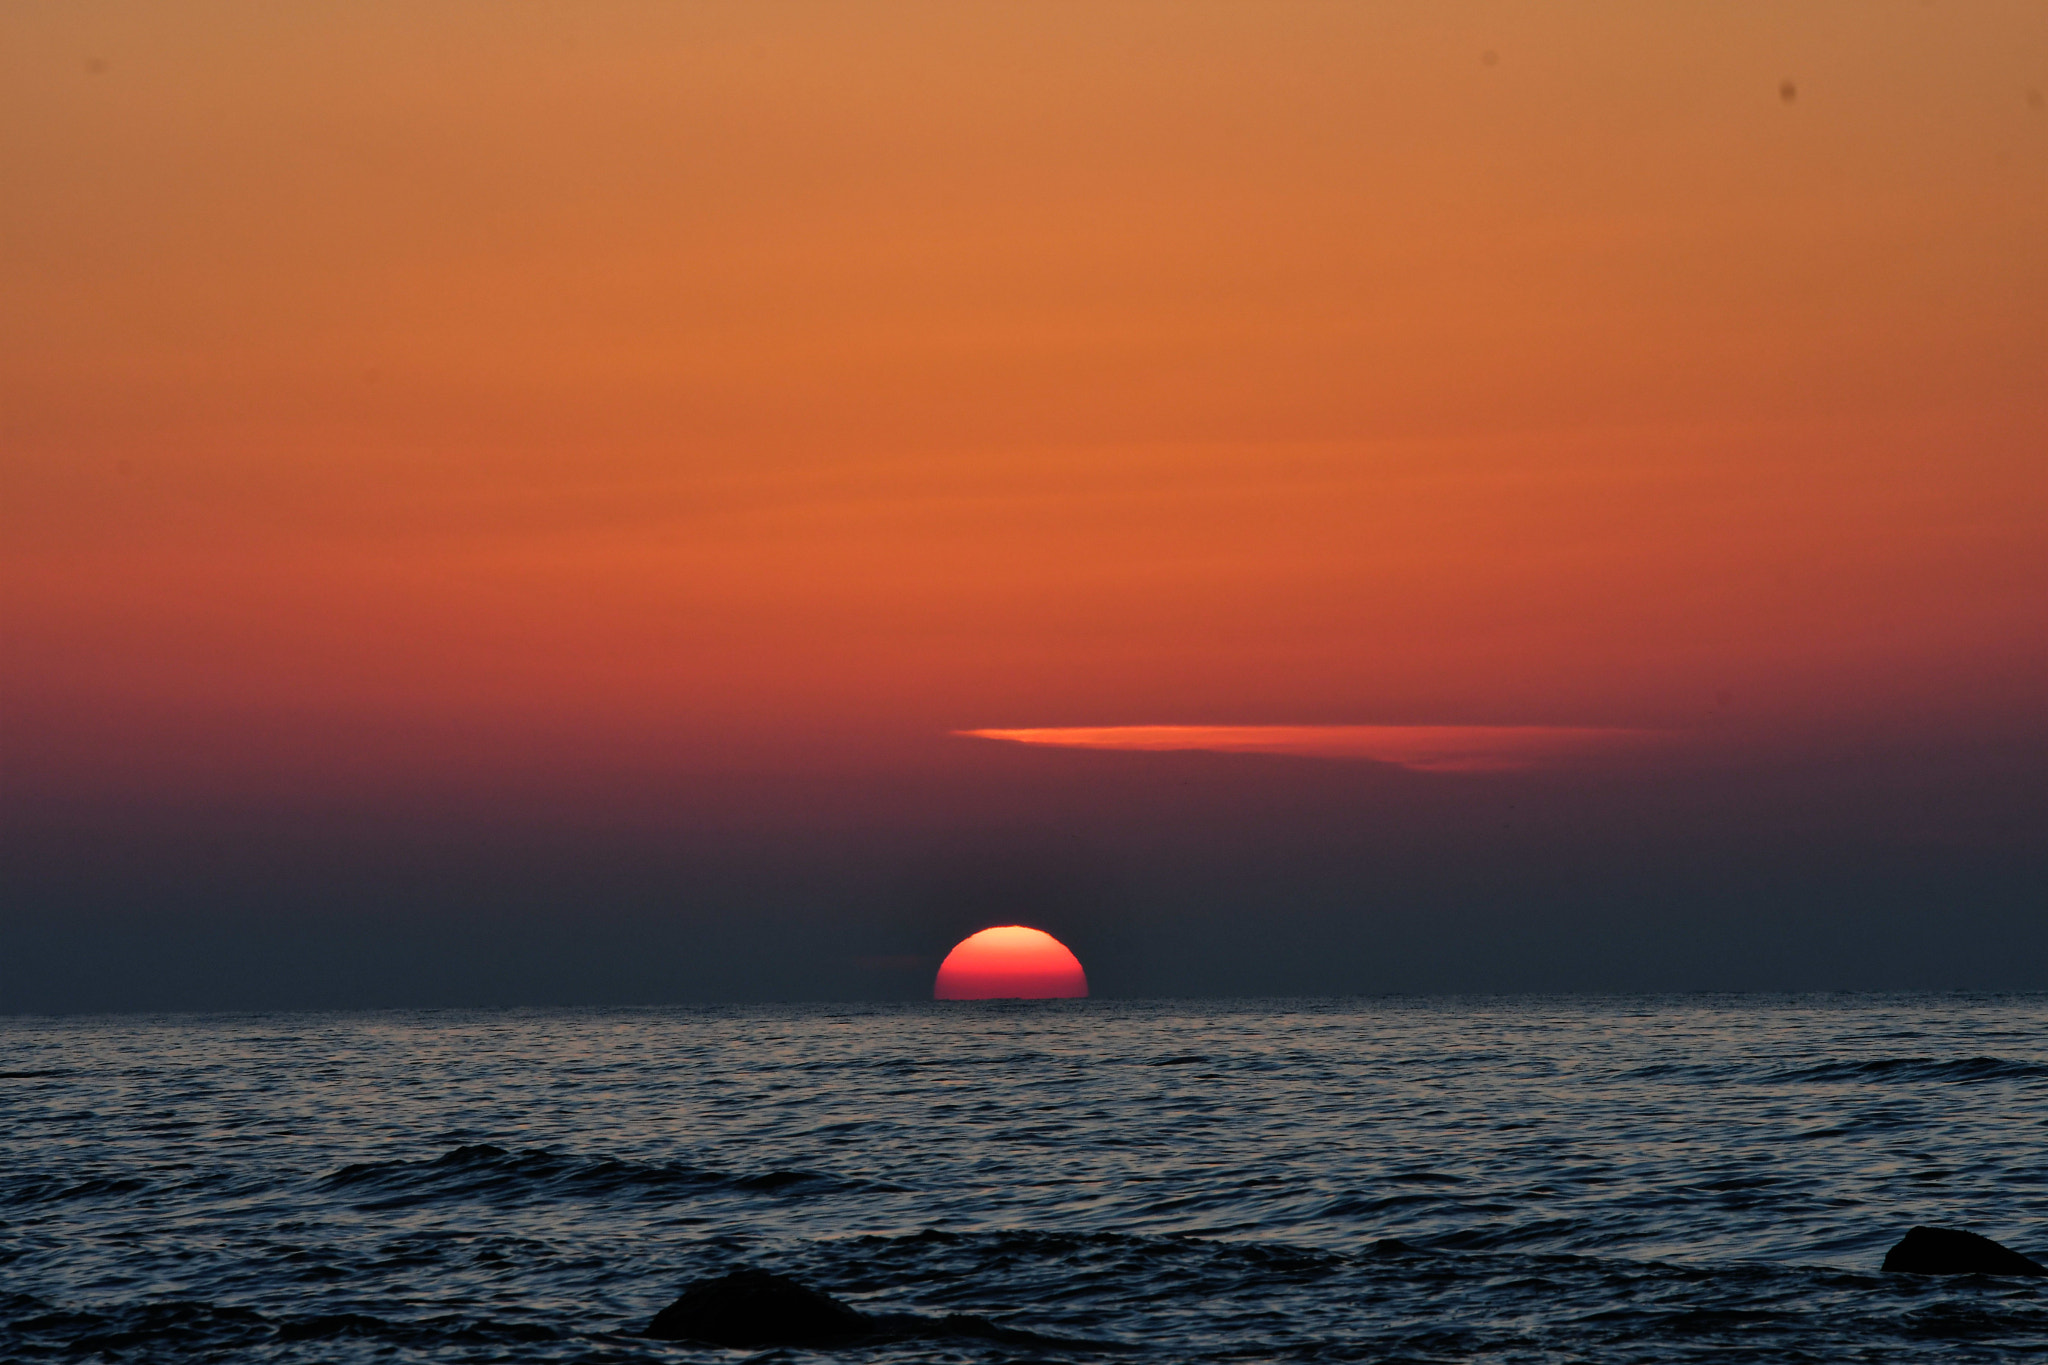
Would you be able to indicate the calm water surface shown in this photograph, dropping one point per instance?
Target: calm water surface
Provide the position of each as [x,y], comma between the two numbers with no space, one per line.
[1567,1179]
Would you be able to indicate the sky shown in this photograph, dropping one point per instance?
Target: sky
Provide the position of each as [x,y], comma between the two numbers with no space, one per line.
[532,504]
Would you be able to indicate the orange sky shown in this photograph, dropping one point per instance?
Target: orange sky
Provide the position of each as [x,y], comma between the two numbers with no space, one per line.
[707,381]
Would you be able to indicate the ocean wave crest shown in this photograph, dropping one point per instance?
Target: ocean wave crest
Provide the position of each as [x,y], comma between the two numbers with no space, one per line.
[488,1172]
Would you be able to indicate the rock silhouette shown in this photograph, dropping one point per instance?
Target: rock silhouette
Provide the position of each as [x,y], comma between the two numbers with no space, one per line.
[1949,1251]
[755,1308]
[751,1308]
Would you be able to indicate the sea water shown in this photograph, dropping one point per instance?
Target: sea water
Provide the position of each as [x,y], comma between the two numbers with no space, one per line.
[1523,1179]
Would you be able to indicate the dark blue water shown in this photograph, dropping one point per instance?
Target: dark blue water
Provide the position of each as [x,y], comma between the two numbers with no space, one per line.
[1572,1179]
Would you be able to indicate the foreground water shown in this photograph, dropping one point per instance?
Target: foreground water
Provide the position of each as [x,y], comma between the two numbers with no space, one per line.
[1571,1179]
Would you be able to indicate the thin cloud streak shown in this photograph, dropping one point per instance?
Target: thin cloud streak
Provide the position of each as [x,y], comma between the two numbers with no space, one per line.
[1420,748]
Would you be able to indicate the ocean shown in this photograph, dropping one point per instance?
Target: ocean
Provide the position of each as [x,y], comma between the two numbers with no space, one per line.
[1506,1179]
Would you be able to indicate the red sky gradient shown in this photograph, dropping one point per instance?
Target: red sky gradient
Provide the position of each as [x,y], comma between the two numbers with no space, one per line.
[406,390]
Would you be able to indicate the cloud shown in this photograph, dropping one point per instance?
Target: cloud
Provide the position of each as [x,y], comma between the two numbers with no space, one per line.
[1422,748]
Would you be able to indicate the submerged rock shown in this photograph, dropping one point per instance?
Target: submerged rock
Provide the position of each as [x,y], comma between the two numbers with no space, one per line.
[750,1308]
[1949,1251]
[755,1308]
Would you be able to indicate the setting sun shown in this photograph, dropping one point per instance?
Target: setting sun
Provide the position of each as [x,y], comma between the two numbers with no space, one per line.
[1010,963]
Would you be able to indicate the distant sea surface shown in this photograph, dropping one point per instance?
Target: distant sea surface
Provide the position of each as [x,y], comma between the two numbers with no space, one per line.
[1539,1179]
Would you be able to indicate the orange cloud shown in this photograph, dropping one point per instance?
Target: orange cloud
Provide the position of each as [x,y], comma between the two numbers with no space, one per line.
[1422,748]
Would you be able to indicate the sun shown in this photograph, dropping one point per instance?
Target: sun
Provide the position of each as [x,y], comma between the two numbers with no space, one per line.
[1010,962]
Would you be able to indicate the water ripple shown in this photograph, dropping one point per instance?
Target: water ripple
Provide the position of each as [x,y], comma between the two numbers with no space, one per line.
[1544,1179]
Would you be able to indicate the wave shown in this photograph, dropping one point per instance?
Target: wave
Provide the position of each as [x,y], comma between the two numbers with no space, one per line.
[1125,1250]
[1681,1071]
[1376,1206]
[1915,1070]
[487,1172]
[210,1329]
[62,1189]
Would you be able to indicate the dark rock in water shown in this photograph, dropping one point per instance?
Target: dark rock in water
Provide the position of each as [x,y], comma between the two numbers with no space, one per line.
[749,1308]
[755,1308]
[1947,1251]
